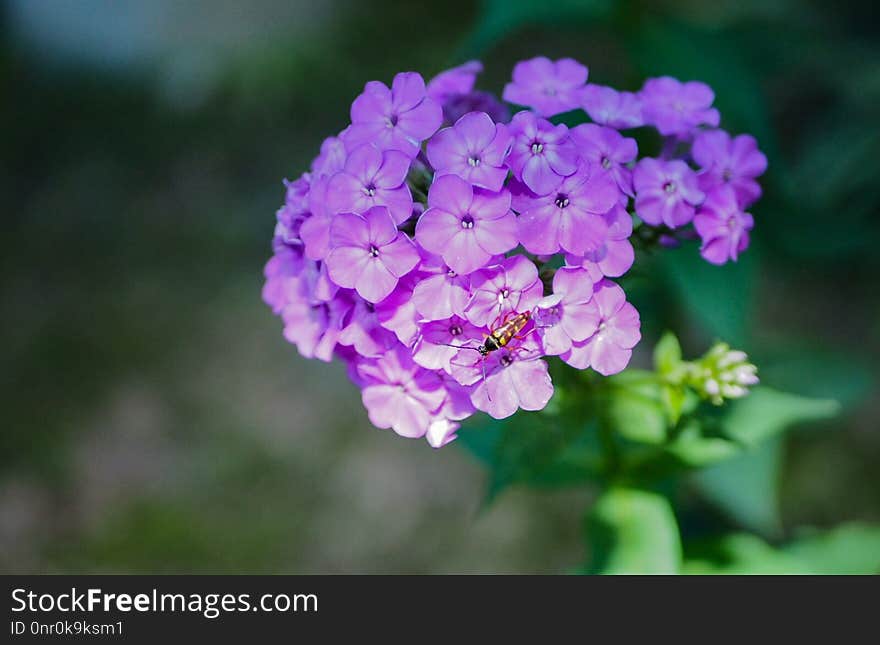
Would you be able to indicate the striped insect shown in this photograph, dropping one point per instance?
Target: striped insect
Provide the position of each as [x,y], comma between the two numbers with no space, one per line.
[509,327]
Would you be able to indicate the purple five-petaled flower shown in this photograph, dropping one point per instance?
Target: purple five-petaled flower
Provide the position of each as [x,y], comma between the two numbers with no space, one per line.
[464,225]
[510,286]
[372,178]
[569,313]
[609,348]
[735,162]
[676,108]
[607,106]
[474,149]
[548,87]
[399,118]
[722,226]
[608,150]
[368,253]
[570,218]
[542,154]
[666,192]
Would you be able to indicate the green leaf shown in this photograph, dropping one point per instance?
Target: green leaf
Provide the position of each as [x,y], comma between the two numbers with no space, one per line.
[633,531]
[667,353]
[739,554]
[720,298]
[845,550]
[851,549]
[635,416]
[536,449]
[745,487]
[765,413]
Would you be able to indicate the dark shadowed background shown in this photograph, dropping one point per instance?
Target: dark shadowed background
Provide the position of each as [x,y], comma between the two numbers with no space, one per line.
[155,420]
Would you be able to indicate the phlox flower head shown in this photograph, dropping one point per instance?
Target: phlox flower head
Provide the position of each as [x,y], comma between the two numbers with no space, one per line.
[548,87]
[441,250]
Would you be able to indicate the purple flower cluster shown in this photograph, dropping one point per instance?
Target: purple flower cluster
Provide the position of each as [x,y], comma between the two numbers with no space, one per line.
[435,218]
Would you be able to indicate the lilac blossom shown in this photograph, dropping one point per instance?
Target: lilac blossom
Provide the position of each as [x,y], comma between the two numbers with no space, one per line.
[464,225]
[609,151]
[548,87]
[368,253]
[362,331]
[609,349]
[542,154]
[676,108]
[570,218]
[371,178]
[666,192]
[474,148]
[511,286]
[607,106]
[315,326]
[399,118]
[615,256]
[569,314]
[722,226]
[735,162]
[506,380]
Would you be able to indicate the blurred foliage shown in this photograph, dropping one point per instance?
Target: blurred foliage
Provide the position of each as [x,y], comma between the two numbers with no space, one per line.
[154,420]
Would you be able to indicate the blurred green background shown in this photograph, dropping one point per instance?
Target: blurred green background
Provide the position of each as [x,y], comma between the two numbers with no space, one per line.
[153,417]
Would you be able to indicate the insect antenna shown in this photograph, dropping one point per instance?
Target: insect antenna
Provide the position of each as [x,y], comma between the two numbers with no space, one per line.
[459,346]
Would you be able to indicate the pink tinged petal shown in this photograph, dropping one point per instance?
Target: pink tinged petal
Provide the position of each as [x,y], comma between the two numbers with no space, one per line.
[463,254]
[392,172]
[422,121]
[716,250]
[374,281]
[571,72]
[539,176]
[532,383]
[452,194]
[364,163]
[348,229]
[619,258]
[447,150]
[439,297]
[489,205]
[441,432]
[580,231]
[624,329]
[382,229]
[389,407]
[499,147]
[315,234]
[486,176]
[608,358]
[399,256]
[580,321]
[533,71]
[407,91]
[345,193]
[346,264]
[432,356]
[496,395]
[609,297]
[573,284]
[580,355]
[436,228]
[497,236]
[539,229]
[649,206]
[555,340]
[398,200]
[458,80]
[477,130]
[373,104]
